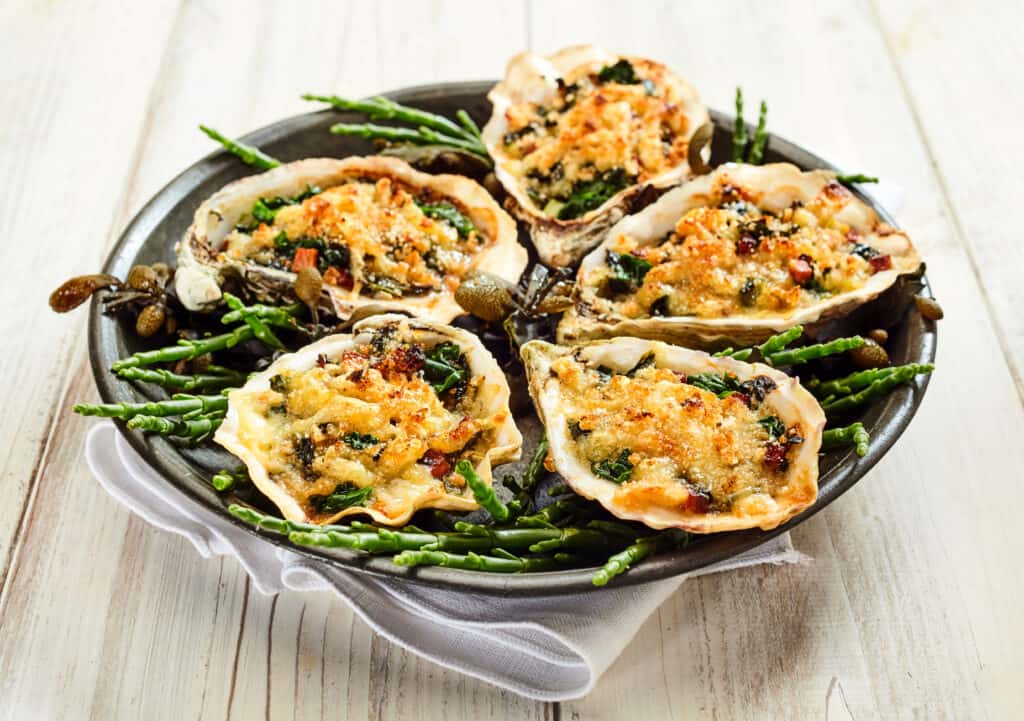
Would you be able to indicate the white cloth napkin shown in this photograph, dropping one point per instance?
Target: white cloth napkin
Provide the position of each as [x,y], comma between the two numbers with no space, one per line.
[550,649]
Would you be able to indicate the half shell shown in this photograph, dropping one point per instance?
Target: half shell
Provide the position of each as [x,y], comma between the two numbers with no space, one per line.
[777,188]
[254,429]
[740,497]
[532,82]
[202,267]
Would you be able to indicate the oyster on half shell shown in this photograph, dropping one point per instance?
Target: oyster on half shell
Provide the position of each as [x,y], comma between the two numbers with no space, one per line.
[577,135]
[675,438]
[735,256]
[364,424]
[384,236]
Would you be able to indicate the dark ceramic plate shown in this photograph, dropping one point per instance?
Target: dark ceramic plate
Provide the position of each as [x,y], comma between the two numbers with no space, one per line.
[151,236]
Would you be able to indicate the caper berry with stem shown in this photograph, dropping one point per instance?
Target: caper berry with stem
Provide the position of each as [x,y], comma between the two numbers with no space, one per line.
[869,355]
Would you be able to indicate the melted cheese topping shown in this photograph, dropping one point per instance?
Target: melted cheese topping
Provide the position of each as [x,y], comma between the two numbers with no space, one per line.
[384,243]
[591,128]
[690,450]
[361,421]
[735,259]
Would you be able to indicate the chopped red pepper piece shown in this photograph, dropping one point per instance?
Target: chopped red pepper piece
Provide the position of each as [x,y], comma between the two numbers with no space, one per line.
[746,245]
[439,464]
[880,262]
[339,277]
[800,270]
[304,258]
[775,456]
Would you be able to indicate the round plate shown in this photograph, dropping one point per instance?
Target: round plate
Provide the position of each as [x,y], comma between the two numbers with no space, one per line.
[151,236]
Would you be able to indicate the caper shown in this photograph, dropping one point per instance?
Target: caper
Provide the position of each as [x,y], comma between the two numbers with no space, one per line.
[869,355]
[72,293]
[144,278]
[879,336]
[485,295]
[308,284]
[928,307]
[151,320]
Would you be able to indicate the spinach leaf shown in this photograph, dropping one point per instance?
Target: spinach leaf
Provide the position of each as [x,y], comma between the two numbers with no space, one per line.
[615,469]
[360,441]
[344,495]
[720,384]
[265,209]
[445,367]
[587,195]
[775,427]
[628,271]
[450,214]
[621,72]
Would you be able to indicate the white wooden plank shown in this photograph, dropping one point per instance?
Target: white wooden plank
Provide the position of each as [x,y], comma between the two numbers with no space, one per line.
[66,148]
[898,608]
[960,66]
[148,626]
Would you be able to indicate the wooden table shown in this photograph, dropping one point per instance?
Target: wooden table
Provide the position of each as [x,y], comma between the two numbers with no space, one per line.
[911,607]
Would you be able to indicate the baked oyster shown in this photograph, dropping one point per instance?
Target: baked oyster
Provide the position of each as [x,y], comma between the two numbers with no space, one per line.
[736,256]
[373,422]
[676,438]
[576,135]
[383,236]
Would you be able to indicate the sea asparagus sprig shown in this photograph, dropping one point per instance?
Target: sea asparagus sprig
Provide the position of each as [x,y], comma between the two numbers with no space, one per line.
[561,511]
[225,480]
[756,154]
[853,434]
[739,133]
[186,349]
[258,326]
[740,152]
[878,387]
[856,178]
[505,563]
[777,342]
[280,316]
[419,136]
[637,551]
[862,379]
[795,356]
[196,382]
[247,153]
[535,468]
[198,429]
[380,108]
[275,524]
[173,407]
[482,492]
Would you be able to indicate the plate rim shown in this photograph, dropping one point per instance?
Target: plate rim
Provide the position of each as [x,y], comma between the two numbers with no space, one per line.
[899,407]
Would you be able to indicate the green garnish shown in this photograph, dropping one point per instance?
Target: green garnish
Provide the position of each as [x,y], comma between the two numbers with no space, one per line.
[445,367]
[344,496]
[360,441]
[721,384]
[616,470]
[628,271]
[621,72]
[450,214]
[590,194]
[775,427]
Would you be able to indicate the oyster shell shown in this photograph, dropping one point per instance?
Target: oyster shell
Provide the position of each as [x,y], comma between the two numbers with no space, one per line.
[354,412]
[694,236]
[689,459]
[204,261]
[605,120]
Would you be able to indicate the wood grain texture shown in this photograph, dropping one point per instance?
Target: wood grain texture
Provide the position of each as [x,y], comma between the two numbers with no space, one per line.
[908,610]
[960,68]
